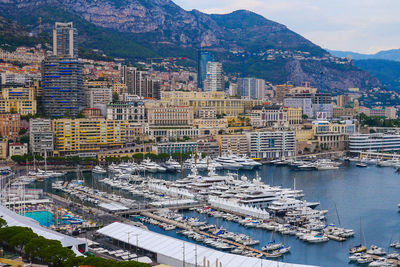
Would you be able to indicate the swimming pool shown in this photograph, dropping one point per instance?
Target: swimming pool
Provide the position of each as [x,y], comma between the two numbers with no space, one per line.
[45,218]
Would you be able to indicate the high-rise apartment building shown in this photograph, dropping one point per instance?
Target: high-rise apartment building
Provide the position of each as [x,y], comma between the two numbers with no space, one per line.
[9,125]
[62,78]
[203,58]
[140,83]
[64,40]
[251,88]
[214,77]
[98,96]
[41,136]
[62,84]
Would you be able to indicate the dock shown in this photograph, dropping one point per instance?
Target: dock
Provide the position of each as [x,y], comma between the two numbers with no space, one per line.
[187,227]
[139,211]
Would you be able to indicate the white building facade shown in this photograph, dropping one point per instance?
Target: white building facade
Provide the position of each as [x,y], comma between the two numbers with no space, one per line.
[374,143]
[271,144]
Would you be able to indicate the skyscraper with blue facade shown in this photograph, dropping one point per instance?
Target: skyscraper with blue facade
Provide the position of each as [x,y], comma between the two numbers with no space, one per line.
[62,78]
[203,58]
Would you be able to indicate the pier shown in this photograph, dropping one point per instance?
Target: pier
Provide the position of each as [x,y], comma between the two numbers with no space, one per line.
[187,227]
[138,211]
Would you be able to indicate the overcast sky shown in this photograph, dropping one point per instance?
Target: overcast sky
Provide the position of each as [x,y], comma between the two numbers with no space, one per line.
[365,26]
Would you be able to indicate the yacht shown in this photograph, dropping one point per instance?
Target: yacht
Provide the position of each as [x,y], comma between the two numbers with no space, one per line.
[228,163]
[318,238]
[375,250]
[173,164]
[326,167]
[285,204]
[40,174]
[246,163]
[99,170]
[152,167]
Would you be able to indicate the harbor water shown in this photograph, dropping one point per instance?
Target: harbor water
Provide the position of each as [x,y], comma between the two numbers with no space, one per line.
[351,195]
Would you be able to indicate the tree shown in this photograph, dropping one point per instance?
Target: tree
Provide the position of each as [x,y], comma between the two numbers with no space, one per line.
[304,116]
[22,131]
[24,139]
[115,97]
[3,223]
[19,240]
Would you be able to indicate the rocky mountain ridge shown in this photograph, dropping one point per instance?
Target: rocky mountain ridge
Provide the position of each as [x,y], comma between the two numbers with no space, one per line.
[148,28]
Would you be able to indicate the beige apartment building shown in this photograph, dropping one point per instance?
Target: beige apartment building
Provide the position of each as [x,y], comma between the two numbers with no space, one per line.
[170,116]
[294,115]
[235,143]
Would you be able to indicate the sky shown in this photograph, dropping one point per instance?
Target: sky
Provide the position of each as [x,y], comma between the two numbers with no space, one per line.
[364,26]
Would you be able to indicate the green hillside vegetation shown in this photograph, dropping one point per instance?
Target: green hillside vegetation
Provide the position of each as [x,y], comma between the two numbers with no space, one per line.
[387,71]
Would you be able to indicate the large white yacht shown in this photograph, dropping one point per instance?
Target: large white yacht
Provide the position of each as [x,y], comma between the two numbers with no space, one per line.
[284,204]
[153,167]
[99,170]
[173,164]
[228,163]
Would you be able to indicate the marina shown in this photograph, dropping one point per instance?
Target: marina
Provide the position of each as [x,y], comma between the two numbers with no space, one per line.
[320,196]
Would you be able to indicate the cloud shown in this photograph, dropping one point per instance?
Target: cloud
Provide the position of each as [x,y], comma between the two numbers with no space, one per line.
[359,25]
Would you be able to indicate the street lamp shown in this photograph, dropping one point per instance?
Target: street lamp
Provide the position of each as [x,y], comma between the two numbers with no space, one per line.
[129,240]
[137,245]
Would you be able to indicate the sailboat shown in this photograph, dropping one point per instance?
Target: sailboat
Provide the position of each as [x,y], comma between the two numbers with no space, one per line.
[359,248]
[284,248]
[272,245]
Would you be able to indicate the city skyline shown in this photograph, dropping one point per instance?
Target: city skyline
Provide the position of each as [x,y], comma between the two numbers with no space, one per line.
[341,25]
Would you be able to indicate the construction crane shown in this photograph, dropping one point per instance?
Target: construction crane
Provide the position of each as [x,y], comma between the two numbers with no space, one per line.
[321,91]
[170,60]
[40,25]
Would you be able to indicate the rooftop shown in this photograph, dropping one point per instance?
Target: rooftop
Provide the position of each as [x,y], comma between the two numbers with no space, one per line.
[170,250]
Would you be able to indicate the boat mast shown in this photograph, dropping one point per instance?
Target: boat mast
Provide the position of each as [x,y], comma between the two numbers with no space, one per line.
[337,214]
[181,164]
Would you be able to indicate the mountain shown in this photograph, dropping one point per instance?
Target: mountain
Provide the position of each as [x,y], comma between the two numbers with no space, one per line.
[13,35]
[244,41]
[393,54]
[387,71]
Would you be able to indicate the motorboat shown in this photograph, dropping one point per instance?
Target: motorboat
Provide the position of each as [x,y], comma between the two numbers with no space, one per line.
[395,244]
[379,263]
[375,250]
[326,167]
[150,166]
[318,238]
[306,167]
[364,259]
[362,165]
[99,170]
[357,249]
[355,257]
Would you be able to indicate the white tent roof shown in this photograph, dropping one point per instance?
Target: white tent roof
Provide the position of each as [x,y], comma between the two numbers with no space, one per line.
[113,206]
[173,248]
[13,219]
